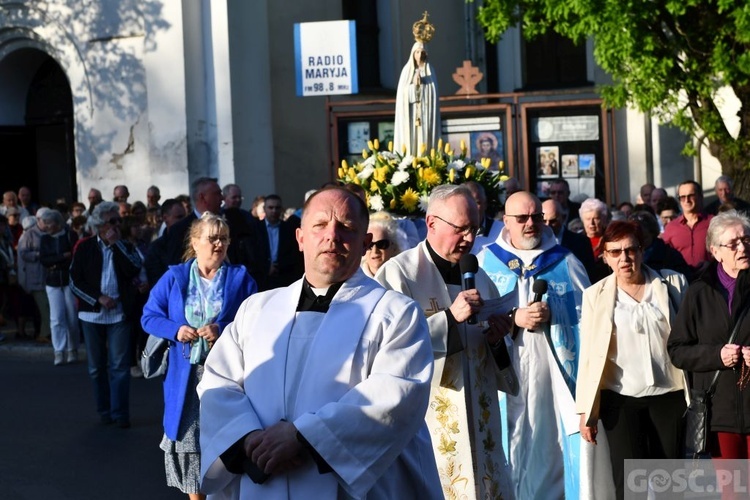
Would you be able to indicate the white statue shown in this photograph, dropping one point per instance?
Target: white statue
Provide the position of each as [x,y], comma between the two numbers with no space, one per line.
[417,110]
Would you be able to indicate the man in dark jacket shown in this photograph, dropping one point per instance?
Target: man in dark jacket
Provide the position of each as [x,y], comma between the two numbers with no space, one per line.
[101,276]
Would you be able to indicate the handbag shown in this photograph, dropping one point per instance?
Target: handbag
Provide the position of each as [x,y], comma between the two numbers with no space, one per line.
[155,357]
[698,412]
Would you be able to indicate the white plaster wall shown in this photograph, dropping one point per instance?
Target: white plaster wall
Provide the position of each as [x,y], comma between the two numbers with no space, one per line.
[123,134]
[165,89]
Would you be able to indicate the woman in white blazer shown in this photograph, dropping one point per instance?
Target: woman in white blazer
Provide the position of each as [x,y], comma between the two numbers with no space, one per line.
[625,376]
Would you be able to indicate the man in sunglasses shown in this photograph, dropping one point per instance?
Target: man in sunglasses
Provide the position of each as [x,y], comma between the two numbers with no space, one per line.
[101,276]
[687,233]
[471,360]
[541,420]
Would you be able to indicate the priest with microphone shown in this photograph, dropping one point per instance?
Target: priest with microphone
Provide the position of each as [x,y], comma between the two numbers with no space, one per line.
[471,358]
[547,456]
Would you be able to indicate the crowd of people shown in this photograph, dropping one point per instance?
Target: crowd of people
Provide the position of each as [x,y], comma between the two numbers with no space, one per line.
[356,353]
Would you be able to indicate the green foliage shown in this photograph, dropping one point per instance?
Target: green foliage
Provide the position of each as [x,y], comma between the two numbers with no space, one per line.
[666,57]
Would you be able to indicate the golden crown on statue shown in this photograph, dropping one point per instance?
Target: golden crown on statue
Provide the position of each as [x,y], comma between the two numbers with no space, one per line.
[423,30]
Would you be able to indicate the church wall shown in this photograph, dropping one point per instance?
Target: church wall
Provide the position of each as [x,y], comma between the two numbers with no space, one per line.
[114,54]
[251,106]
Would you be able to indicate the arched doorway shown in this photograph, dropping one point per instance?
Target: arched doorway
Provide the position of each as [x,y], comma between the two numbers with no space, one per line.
[36,127]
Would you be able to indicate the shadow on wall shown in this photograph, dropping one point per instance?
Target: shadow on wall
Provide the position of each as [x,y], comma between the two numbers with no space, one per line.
[101,48]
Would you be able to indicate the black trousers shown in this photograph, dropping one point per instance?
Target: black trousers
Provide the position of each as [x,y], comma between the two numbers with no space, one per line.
[638,428]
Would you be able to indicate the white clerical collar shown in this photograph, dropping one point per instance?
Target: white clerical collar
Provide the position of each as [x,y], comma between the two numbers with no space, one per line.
[320,292]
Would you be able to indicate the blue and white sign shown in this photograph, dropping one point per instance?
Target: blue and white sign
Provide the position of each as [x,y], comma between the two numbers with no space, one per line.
[325,55]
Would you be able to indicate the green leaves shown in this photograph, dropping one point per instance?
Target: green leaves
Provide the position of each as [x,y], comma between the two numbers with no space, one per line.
[666,57]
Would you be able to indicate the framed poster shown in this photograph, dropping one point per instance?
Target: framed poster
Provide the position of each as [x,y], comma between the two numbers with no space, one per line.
[587,165]
[487,145]
[358,135]
[569,165]
[385,133]
[542,189]
[455,141]
[547,162]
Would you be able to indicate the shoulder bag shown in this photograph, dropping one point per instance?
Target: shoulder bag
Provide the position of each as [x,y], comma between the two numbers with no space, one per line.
[155,357]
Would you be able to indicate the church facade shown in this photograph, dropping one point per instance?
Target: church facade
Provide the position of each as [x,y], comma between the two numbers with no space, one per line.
[143,92]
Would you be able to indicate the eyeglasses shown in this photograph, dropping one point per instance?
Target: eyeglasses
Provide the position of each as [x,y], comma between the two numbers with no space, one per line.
[629,251]
[465,230]
[523,219]
[224,240]
[685,197]
[735,244]
[380,245]
[114,221]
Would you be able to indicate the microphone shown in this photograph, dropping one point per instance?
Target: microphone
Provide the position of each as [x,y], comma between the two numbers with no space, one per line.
[468,265]
[539,288]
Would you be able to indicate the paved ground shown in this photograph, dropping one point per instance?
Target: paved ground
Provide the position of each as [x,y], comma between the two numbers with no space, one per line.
[52,445]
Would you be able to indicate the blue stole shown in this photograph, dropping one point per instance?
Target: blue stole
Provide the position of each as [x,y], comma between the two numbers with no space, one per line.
[505,269]
[564,300]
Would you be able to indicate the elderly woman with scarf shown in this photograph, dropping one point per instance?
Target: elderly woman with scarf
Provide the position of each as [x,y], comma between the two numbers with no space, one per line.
[190,306]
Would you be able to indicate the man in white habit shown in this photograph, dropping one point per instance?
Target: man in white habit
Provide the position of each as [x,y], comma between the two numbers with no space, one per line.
[471,361]
[547,456]
[319,389]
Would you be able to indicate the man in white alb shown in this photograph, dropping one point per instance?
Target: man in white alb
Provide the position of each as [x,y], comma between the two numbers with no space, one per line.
[319,389]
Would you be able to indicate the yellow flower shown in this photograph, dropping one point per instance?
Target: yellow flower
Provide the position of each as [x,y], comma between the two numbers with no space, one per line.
[376,143]
[448,149]
[451,175]
[501,165]
[392,204]
[414,162]
[469,172]
[380,173]
[431,177]
[390,146]
[403,149]
[432,153]
[374,186]
[364,154]
[370,145]
[440,145]
[409,199]
[486,162]
[463,147]
[422,149]
[342,173]
[344,165]
[351,172]
[504,178]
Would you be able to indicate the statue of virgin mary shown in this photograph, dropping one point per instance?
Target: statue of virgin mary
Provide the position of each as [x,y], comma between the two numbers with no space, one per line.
[417,110]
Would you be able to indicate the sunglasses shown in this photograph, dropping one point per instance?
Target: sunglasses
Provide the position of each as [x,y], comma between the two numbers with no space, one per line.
[224,240]
[523,219]
[380,245]
[629,251]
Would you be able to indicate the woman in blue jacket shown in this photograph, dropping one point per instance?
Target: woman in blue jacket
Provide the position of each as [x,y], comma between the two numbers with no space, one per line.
[190,305]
